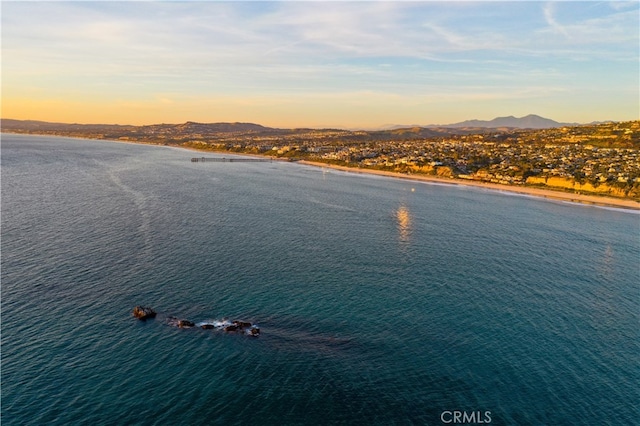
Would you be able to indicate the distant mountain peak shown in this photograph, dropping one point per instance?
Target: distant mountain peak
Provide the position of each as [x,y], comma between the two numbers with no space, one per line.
[531,121]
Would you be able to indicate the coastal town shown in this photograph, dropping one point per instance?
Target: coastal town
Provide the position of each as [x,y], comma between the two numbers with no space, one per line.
[596,159]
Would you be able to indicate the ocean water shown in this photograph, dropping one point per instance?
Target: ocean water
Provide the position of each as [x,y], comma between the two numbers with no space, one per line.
[380,301]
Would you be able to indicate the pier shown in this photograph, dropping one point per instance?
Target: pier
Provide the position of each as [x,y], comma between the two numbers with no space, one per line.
[229,160]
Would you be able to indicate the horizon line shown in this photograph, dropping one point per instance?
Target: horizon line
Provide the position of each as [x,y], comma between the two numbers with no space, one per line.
[320,127]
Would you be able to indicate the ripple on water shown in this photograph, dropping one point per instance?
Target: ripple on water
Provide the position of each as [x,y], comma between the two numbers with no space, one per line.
[376,304]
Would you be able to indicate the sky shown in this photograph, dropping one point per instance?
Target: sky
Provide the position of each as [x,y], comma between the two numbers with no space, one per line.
[364,64]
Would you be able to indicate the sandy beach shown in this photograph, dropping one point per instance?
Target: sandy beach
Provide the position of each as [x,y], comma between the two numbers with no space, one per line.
[534,192]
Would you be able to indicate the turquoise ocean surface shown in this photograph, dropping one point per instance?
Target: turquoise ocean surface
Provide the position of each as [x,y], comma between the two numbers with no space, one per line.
[380,301]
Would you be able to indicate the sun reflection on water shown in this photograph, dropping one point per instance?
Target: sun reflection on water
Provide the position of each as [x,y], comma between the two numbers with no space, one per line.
[404,223]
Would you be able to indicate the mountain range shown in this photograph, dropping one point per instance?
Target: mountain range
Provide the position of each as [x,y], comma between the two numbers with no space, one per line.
[530,121]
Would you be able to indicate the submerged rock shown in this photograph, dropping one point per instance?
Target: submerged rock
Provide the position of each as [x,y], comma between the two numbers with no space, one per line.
[242,327]
[180,323]
[143,312]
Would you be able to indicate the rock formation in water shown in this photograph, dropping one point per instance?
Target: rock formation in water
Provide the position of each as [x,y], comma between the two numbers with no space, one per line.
[185,324]
[236,326]
[242,327]
[180,323]
[143,312]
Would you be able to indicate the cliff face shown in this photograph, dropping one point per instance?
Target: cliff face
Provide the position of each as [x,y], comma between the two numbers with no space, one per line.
[442,171]
[558,182]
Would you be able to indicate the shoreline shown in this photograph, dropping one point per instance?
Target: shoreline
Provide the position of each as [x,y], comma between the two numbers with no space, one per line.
[594,200]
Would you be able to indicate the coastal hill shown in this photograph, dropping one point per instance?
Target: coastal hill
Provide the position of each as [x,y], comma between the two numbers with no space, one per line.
[191,126]
[499,129]
[173,133]
[530,121]
[184,128]
[34,126]
[190,131]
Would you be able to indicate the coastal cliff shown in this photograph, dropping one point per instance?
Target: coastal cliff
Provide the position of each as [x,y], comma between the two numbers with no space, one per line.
[571,184]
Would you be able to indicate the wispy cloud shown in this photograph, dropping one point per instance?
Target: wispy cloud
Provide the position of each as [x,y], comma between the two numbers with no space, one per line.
[617,31]
[149,51]
[549,12]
